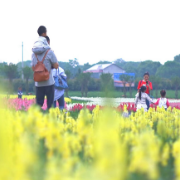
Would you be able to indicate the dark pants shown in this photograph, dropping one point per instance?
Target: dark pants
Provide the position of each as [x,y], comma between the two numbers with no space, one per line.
[43,91]
[61,102]
[19,96]
[147,103]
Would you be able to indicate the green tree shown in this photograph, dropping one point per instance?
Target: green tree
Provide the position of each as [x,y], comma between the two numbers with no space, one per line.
[169,69]
[131,80]
[124,78]
[148,66]
[177,58]
[68,74]
[10,71]
[106,83]
[74,62]
[156,82]
[130,67]
[28,73]
[176,84]
[86,66]
[84,79]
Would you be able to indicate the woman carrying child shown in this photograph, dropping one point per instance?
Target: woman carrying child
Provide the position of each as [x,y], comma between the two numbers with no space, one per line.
[162,101]
[141,98]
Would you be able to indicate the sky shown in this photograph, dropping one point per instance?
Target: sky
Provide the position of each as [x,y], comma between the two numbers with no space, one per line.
[92,30]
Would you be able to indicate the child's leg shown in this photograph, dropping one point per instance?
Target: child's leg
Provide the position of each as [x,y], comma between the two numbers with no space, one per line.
[61,102]
[54,103]
[148,104]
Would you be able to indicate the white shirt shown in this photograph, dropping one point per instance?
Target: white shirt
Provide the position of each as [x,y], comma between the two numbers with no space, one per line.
[141,103]
[58,93]
[163,102]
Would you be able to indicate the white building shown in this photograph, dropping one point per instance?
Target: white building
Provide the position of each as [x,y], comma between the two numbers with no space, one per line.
[98,69]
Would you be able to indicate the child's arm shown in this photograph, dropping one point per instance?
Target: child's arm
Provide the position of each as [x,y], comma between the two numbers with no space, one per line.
[167,103]
[157,102]
[149,99]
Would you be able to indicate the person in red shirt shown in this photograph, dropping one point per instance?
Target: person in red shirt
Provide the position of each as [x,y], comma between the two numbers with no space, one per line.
[148,84]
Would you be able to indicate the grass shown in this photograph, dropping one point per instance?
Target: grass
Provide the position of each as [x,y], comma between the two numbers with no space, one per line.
[79,101]
[118,94]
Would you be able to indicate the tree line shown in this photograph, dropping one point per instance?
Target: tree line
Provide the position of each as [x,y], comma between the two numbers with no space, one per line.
[164,76]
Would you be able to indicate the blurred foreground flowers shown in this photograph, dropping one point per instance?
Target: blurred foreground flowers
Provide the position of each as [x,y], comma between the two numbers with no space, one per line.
[102,145]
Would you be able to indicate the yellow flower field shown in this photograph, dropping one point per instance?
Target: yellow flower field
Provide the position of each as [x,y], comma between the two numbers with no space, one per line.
[103,145]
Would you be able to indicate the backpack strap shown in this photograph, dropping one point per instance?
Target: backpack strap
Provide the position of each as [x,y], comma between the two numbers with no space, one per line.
[37,57]
[43,57]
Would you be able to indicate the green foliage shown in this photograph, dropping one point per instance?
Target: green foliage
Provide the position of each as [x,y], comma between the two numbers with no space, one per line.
[125,79]
[84,79]
[68,74]
[157,84]
[130,66]
[177,58]
[74,62]
[169,70]
[106,83]
[148,66]
[176,84]
[28,74]
[86,66]
[10,71]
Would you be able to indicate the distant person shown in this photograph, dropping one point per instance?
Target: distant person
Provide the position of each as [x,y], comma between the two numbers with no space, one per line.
[141,98]
[42,51]
[163,101]
[20,93]
[148,84]
[58,94]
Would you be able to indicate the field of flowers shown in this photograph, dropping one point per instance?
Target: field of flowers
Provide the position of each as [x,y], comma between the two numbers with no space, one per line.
[13,103]
[99,143]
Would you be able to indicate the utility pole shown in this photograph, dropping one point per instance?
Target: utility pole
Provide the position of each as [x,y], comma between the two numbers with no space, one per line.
[22,62]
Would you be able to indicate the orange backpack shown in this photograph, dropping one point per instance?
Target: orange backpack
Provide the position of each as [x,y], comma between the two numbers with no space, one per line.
[40,71]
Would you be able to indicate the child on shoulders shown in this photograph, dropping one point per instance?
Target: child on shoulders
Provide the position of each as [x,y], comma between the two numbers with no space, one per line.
[140,99]
[162,101]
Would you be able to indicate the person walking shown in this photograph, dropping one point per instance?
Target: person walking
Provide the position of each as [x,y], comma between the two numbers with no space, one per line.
[148,84]
[42,54]
[20,93]
[141,98]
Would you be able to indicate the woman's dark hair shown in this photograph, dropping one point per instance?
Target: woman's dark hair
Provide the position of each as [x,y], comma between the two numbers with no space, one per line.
[41,30]
[163,93]
[146,73]
[47,38]
[143,89]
